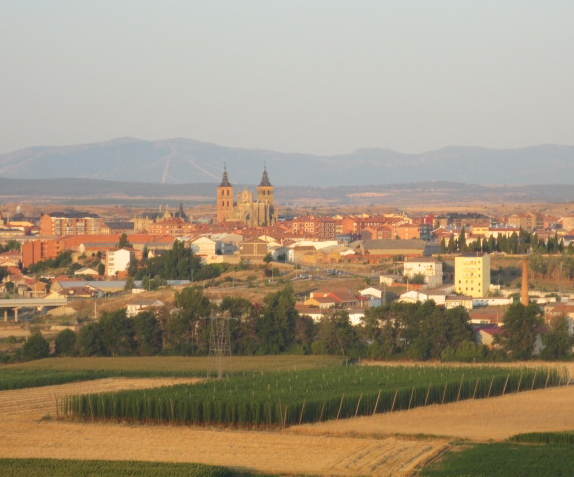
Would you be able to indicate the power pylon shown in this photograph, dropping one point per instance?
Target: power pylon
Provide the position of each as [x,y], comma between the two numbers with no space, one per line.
[219,340]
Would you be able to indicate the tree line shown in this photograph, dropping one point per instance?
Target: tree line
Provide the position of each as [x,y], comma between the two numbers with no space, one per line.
[517,243]
[418,331]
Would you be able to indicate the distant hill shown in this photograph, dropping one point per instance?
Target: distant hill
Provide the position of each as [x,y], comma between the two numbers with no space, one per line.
[86,191]
[184,161]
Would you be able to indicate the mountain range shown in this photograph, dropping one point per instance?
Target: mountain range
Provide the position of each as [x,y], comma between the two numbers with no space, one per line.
[184,161]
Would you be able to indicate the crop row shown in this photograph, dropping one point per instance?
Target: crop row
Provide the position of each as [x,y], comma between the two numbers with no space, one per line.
[288,398]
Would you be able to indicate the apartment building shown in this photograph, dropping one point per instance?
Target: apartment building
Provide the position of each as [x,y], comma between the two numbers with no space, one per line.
[472,274]
[57,224]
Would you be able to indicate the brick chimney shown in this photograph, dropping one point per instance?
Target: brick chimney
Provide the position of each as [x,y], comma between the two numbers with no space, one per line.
[524,289]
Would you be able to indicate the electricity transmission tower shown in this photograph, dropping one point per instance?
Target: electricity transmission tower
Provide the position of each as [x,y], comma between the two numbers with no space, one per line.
[219,340]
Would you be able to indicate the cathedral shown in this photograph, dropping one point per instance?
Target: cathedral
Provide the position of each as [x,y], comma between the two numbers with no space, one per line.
[253,213]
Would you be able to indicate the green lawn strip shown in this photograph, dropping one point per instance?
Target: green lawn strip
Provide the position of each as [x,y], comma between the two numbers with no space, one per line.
[312,395]
[105,468]
[52,371]
[504,459]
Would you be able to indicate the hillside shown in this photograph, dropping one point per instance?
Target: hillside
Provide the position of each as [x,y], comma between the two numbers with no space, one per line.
[182,161]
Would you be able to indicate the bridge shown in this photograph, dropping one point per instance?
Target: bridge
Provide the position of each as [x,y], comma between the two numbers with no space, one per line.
[39,303]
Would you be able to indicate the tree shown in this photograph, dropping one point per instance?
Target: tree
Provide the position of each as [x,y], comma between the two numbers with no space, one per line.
[336,334]
[521,326]
[148,334]
[443,248]
[557,342]
[124,242]
[418,279]
[36,347]
[90,342]
[187,327]
[462,247]
[117,333]
[65,344]
[101,269]
[130,284]
[276,326]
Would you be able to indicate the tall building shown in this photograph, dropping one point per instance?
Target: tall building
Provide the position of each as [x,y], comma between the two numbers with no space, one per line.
[472,274]
[70,223]
[252,212]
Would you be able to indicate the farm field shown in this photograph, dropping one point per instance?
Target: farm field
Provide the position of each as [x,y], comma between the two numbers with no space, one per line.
[28,432]
[504,460]
[178,365]
[498,418]
[66,468]
[384,444]
[279,399]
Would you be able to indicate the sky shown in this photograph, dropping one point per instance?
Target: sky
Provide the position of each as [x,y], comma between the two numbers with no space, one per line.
[314,76]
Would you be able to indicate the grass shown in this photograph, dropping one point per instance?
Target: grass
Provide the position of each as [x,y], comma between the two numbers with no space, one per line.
[99,468]
[179,364]
[286,398]
[50,371]
[504,460]
[566,437]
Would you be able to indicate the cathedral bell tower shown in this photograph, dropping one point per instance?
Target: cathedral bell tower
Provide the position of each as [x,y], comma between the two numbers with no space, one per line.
[265,196]
[224,198]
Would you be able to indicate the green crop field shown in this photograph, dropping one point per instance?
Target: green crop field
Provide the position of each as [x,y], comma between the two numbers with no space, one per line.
[505,460]
[51,371]
[258,399]
[99,468]
[566,437]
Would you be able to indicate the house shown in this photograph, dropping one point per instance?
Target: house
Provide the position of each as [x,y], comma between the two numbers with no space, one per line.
[428,267]
[138,306]
[86,271]
[253,249]
[203,246]
[118,261]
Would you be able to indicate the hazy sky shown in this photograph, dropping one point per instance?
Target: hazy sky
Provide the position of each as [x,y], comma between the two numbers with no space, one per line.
[310,76]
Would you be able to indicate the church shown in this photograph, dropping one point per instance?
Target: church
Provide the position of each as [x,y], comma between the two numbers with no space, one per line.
[251,212]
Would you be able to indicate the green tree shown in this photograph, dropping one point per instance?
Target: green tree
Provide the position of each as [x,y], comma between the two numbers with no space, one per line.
[117,333]
[276,326]
[243,314]
[336,334]
[557,341]
[148,333]
[130,284]
[443,247]
[124,241]
[65,344]
[521,326]
[462,246]
[90,342]
[101,269]
[187,327]
[36,347]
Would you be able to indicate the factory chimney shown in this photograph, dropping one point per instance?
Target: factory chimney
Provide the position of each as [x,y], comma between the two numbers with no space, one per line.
[524,289]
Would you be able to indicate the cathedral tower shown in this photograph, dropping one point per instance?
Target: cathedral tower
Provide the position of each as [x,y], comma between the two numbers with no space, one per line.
[224,198]
[265,197]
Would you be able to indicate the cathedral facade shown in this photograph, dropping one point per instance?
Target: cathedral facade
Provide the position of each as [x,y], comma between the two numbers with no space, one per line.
[252,211]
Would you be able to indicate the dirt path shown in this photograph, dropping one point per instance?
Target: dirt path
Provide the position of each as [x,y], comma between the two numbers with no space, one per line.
[26,434]
[482,419]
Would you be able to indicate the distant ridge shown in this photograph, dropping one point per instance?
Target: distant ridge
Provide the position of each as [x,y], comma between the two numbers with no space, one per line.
[181,160]
[118,192]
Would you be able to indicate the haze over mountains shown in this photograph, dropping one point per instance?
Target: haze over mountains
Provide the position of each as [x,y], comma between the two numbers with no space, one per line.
[184,161]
